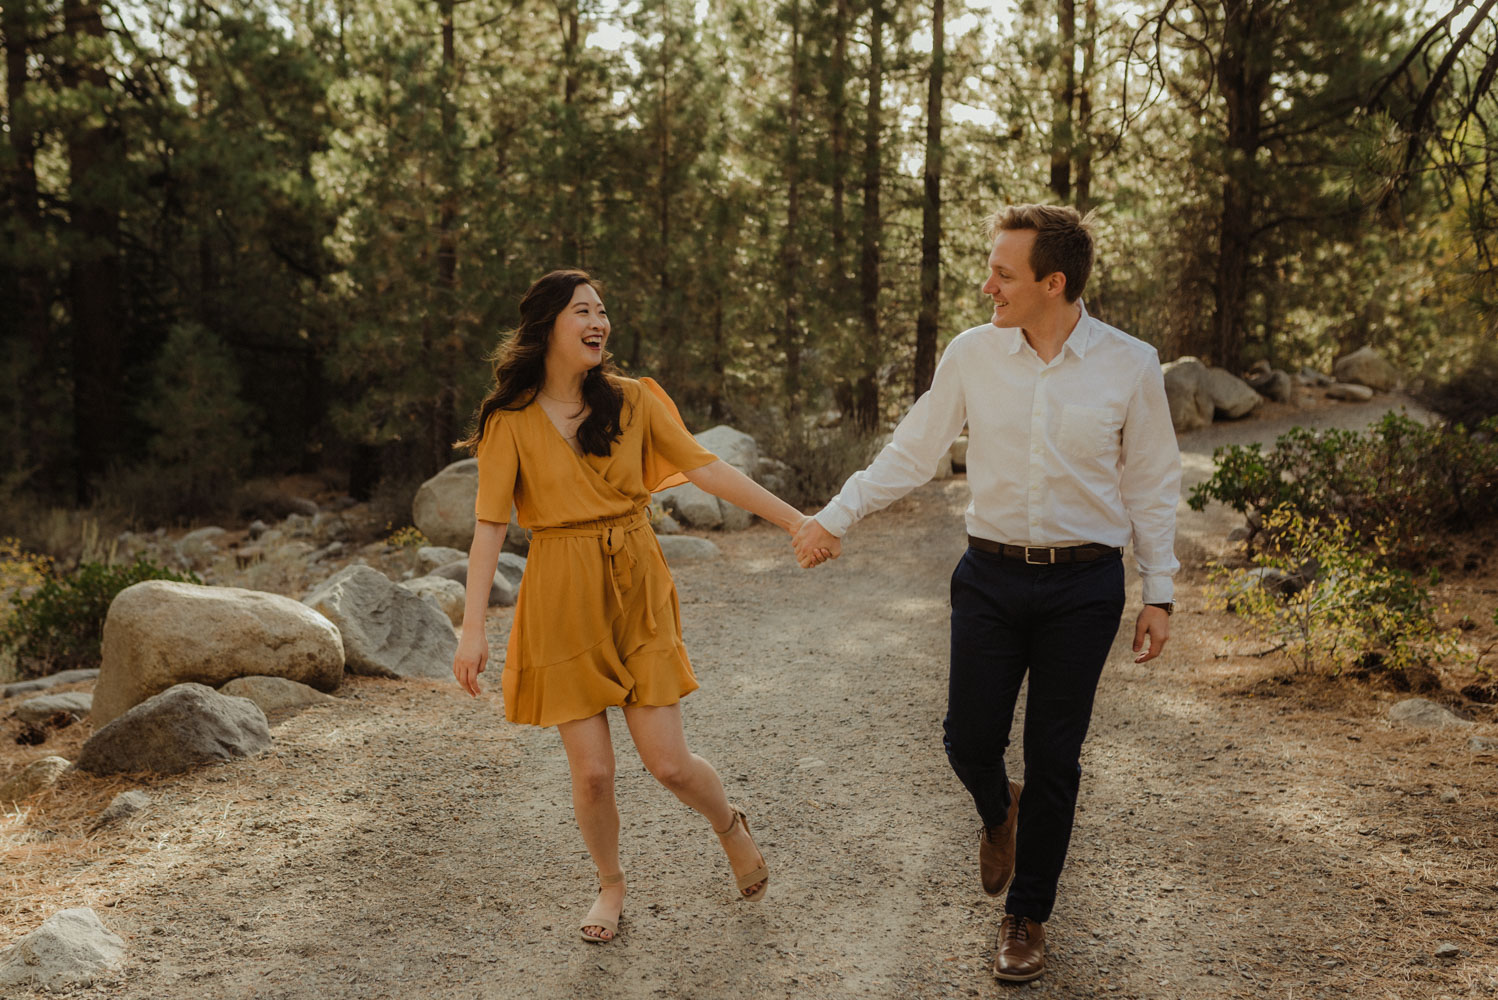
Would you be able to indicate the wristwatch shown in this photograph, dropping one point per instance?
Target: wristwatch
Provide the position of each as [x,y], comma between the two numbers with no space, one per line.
[1169,607]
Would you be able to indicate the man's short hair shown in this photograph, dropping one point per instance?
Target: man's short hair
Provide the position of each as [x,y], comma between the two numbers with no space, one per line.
[1063,240]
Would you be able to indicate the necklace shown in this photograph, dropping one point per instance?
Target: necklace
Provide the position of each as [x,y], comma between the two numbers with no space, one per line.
[559,399]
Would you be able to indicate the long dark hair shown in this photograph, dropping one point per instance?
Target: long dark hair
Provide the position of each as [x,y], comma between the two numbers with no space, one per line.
[520,366]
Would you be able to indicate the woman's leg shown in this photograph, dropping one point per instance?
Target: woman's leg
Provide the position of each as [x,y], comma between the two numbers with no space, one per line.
[662,744]
[590,759]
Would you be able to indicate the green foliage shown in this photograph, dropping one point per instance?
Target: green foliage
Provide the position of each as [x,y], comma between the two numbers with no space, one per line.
[1466,392]
[1413,480]
[60,625]
[1326,594]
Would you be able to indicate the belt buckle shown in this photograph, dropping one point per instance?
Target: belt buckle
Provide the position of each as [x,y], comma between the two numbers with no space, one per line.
[1051,553]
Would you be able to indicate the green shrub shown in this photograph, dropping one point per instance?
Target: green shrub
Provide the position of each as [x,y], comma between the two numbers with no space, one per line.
[1468,396]
[1400,477]
[60,625]
[1338,601]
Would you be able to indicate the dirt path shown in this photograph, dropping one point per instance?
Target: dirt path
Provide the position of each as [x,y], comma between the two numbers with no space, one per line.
[1235,838]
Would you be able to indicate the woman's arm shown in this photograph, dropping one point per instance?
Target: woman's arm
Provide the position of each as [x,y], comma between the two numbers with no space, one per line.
[724,481]
[473,645]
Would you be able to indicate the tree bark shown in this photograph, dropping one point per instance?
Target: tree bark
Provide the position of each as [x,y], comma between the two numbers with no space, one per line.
[930,315]
[1083,138]
[1243,72]
[93,286]
[1064,95]
[837,87]
[665,314]
[790,250]
[30,320]
[866,394]
[445,317]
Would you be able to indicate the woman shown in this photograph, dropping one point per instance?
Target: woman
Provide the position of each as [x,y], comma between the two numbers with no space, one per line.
[578,449]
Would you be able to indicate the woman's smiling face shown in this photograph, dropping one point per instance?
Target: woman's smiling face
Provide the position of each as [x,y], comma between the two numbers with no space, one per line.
[579,334]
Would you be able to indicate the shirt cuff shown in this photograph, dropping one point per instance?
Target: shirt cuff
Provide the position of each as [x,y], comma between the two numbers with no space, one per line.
[1158,589]
[836,518]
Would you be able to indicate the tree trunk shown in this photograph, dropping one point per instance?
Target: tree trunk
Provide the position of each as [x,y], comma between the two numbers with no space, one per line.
[445,315]
[1243,71]
[1083,143]
[572,221]
[837,87]
[93,287]
[866,394]
[790,336]
[1064,95]
[665,318]
[930,315]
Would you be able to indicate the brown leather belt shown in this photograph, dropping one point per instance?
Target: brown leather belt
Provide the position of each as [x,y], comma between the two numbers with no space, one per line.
[1040,555]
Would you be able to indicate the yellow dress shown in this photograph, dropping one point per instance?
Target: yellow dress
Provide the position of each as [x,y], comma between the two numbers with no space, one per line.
[597,621]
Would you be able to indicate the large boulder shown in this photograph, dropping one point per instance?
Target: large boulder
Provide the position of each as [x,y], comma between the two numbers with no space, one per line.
[387,630]
[958,453]
[70,948]
[31,779]
[1426,714]
[1365,366]
[447,596]
[275,694]
[512,568]
[1350,391]
[183,727]
[443,508]
[1187,393]
[429,557]
[1272,383]
[51,680]
[160,633]
[692,506]
[1231,396]
[698,509]
[501,590]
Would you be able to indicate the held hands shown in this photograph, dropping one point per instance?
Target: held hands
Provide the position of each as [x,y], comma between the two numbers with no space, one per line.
[1153,624]
[815,544]
[469,661]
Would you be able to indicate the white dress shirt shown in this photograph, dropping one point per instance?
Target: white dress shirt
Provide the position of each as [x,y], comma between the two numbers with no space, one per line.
[1077,450]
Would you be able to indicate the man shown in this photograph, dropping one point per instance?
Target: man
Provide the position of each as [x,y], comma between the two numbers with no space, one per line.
[1071,456]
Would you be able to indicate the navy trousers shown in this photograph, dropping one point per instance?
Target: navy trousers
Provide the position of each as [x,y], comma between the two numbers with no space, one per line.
[1056,624]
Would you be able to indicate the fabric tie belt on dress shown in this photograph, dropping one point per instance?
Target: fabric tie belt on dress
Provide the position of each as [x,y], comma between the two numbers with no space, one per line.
[610,532]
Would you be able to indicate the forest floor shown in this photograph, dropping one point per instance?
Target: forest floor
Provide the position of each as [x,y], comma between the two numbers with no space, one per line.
[1242,832]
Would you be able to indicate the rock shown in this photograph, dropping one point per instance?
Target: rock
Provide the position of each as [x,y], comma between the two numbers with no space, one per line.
[297,525]
[275,694]
[1238,534]
[958,453]
[943,467]
[300,506]
[1231,396]
[443,508]
[1425,714]
[694,507]
[447,596]
[32,778]
[1350,392]
[501,591]
[121,807]
[200,543]
[51,680]
[329,525]
[39,710]
[1450,796]
[1186,392]
[257,528]
[429,557]
[732,446]
[160,633]
[181,728]
[1482,744]
[734,518]
[517,539]
[681,549]
[70,948]
[1275,385]
[775,475]
[665,524]
[512,567]
[1365,366]
[1313,378]
[387,630]
[1447,950]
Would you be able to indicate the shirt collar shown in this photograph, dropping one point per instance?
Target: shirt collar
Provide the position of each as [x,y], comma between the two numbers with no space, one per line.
[1082,337]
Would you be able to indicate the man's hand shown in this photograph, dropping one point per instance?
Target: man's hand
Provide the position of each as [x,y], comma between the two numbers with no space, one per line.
[1153,623]
[815,544]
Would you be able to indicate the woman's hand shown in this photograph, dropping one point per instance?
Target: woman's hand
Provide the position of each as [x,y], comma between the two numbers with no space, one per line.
[470,659]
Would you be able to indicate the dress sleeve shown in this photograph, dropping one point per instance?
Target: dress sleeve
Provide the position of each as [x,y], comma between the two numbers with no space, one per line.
[670,448]
[499,468]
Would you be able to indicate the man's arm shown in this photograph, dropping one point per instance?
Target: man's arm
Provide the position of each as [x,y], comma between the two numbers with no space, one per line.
[1150,485]
[909,460]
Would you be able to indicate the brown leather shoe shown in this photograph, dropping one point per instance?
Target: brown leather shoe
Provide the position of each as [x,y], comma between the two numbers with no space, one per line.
[1020,953]
[996,848]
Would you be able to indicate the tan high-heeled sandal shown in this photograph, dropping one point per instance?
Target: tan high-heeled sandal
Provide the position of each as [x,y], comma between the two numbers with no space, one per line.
[758,875]
[595,919]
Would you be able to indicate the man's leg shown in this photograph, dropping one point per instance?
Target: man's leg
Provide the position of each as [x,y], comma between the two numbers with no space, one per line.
[1077,613]
[990,649]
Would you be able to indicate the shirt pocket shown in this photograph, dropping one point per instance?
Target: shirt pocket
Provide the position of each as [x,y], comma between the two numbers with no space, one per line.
[1087,431]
